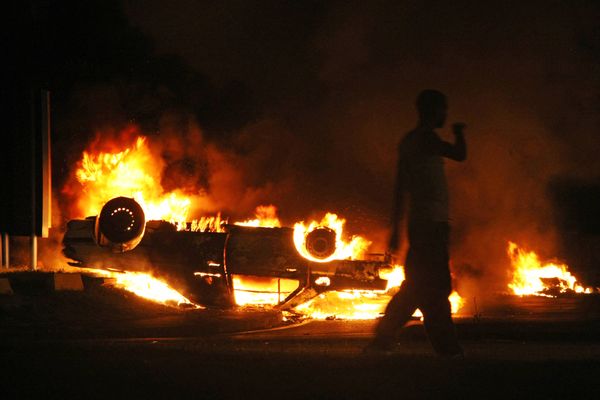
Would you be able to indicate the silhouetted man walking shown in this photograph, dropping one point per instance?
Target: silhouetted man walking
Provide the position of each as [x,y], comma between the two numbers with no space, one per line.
[421,186]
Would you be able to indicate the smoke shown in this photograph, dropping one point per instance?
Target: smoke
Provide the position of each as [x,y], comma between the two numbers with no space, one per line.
[232,179]
[302,104]
[526,87]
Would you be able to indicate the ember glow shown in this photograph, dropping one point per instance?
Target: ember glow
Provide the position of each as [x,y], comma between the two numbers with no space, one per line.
[363,304]
[145,286]
[265,217]
[530,276]
[344,250]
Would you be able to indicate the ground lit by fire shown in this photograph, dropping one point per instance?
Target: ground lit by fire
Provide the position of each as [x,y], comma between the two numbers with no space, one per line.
[136,172]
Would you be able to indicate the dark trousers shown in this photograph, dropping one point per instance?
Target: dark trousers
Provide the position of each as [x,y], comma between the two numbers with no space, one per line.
[427,287]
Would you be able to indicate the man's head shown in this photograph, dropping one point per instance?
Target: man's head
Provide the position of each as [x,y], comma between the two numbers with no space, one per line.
[432,107]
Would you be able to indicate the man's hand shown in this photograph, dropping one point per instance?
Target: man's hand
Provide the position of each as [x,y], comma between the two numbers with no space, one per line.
[458,128]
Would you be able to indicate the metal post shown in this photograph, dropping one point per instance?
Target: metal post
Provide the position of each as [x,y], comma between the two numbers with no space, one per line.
[33,183]
[46,181]
[278,291]
[5,250]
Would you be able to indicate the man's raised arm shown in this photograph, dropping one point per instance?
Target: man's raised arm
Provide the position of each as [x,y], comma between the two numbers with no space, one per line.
[456,151]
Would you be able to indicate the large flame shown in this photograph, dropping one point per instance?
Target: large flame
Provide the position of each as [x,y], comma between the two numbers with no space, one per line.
[132,172]
[135,172]
[265,216]
[146,286]
[363,304]
[353,249]
[532,277]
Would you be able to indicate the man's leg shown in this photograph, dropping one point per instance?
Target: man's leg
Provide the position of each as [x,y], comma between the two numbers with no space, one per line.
[397,313]
[440,329]
[435,286]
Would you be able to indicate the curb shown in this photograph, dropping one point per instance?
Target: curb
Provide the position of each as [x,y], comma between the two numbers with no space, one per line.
[38,282]
[5,287]
[66,281]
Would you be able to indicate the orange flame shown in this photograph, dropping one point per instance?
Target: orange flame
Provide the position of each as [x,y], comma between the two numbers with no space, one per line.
[256,290]
[133,172]
[207,224]
[146,286]
[136,172]
[354,249]
[266,217]
[363,304]
[532,277]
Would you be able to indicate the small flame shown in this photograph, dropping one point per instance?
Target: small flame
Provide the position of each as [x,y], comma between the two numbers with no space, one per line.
[354,249]
[532,277]
[206,224]
[394,276]
[347,304]
[255,290]
[456,302]
[266,217]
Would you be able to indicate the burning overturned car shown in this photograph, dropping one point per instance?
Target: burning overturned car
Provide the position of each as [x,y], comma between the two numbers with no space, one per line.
[219,267]
[143,241]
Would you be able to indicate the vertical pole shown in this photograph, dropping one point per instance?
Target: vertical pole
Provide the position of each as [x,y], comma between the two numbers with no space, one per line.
[46,167]
[5,250]
[33,184]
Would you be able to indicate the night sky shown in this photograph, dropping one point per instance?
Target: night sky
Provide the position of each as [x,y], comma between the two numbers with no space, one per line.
[301,104]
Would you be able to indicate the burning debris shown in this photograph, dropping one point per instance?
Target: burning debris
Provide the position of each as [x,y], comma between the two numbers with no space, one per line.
[533,277]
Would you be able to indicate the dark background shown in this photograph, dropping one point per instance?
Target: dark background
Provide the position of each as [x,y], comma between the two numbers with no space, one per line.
[301,103]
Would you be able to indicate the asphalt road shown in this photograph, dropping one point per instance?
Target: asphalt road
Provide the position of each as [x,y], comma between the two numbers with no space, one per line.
[110,344]
[315,359]
[318,359]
